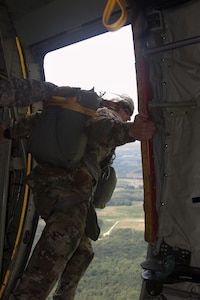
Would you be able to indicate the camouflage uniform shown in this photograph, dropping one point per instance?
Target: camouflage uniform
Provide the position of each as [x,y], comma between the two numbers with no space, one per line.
[63,199]
[20,92]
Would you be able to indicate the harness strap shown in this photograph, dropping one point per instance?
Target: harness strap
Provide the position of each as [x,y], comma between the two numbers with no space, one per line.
[71,103]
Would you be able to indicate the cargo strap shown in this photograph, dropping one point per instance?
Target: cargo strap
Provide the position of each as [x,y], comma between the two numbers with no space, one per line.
[71,103]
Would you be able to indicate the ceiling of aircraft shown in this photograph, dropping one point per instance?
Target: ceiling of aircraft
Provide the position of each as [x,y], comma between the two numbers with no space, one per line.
[56,23]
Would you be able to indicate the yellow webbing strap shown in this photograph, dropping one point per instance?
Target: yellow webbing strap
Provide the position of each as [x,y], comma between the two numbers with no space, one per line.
[28,168]
[70,103]
[108,12]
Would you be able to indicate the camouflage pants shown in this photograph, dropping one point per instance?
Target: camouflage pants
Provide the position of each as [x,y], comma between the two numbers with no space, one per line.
[63,251]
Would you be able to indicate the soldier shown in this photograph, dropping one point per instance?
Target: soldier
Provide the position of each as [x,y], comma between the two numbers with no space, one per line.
[63,198]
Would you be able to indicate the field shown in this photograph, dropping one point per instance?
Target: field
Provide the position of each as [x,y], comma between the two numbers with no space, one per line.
[126,216]
[115,273]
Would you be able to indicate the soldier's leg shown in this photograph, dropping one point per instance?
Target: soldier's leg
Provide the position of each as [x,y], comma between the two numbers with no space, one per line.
[74,270]
[60,238]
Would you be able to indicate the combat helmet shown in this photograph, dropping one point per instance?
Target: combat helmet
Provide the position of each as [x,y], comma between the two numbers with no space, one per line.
[122,99]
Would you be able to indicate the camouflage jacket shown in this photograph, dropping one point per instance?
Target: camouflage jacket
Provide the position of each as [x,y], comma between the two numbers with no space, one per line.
[20,92]
[105,133]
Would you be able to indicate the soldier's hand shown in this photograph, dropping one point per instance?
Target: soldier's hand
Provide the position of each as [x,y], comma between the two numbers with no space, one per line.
[142,128]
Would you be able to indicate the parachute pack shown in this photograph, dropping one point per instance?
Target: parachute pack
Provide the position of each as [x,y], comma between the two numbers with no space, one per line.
[50,143]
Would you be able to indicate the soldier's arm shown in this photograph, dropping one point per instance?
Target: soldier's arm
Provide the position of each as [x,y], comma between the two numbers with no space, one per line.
[109,132]
[22,92]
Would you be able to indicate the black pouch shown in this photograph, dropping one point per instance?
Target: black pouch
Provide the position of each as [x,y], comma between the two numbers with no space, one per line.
[92,229]
[105,187]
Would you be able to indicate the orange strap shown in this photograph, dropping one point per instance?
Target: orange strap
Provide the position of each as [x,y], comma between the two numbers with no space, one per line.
[71,103]
[108,12]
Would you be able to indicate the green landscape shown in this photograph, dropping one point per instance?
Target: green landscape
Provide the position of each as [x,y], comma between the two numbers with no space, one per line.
[115,272]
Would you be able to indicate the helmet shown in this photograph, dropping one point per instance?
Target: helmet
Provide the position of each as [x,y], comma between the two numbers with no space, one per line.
[123,99]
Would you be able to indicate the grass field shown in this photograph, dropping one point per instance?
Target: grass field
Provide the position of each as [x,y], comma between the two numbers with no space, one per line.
[126,216]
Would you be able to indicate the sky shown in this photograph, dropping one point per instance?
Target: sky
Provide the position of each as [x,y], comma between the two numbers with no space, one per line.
[105,62]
